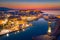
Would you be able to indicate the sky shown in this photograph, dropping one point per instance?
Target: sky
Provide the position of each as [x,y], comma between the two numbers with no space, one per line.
[30,4]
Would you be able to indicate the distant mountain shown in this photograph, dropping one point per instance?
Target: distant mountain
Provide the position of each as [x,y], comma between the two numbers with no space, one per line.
[5,9]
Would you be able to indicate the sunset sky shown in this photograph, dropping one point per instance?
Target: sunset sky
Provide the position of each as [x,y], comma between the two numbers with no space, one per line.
[30,4]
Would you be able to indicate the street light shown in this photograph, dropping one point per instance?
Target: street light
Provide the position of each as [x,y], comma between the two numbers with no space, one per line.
[7,35]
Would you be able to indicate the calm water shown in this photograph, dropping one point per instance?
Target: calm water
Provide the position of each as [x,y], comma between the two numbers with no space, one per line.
[39,27]
[56,12]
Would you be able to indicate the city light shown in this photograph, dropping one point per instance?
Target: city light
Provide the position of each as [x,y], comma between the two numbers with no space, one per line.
[49,22]
[8,15]
[12,22]
[7,35]
[18,31]
[49,30]
[23,29]
[6,30]
[4,22]
[58,16]
[27,25]
[28,18]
